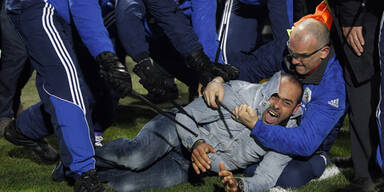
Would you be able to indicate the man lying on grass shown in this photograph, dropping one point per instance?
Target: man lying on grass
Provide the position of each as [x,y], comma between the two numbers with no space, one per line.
[156,158]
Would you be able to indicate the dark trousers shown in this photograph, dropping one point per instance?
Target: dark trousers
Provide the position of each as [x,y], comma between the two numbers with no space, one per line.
[298,172]
[132,14]
[15,68]
[363,100]
[256,63]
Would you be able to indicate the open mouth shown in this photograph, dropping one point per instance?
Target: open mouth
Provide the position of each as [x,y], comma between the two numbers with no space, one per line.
[271,117]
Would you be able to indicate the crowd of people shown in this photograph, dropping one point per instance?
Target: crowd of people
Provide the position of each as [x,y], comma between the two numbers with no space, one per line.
[269,105]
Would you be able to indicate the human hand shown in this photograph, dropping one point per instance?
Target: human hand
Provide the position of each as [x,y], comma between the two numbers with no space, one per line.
[154,78]
[355,39]
[115,73]
[245,115]
[230,183]
[200,159]
[214,89]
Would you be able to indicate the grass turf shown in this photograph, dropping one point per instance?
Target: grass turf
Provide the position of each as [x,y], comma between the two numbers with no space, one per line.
[21,171]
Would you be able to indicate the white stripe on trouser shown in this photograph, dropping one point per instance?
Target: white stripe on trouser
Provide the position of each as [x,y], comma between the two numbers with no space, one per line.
[62,53]
[225,26]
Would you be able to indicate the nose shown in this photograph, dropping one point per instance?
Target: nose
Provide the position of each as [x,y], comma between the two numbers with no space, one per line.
[275,103]
[295,61]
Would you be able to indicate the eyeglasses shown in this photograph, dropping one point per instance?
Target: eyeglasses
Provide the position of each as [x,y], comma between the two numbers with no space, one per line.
[303,55]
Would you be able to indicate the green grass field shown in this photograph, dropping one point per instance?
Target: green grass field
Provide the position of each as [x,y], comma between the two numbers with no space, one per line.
[20,171]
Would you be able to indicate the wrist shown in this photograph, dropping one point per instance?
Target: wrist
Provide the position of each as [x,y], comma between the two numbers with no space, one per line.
[198,142]
[218,80]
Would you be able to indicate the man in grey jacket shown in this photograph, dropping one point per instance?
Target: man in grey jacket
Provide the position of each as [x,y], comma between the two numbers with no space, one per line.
[147,160]
[224,139]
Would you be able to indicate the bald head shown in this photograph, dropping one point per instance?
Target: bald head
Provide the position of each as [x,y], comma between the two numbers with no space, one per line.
[311,30]
[293,86]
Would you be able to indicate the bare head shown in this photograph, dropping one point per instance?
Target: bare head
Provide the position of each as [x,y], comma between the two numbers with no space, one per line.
[308,45]
[284,103]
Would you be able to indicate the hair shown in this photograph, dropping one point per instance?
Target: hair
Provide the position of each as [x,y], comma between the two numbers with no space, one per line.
[291,78]
[314,29]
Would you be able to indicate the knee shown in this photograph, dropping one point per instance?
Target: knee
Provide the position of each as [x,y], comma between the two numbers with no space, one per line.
[128,8]
[137,161]
[291,178]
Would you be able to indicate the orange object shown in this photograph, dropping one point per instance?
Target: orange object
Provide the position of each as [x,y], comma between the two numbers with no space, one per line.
[322,13]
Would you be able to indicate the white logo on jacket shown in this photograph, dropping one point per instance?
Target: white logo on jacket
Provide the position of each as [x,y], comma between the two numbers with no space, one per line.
[307,95]
[334,103]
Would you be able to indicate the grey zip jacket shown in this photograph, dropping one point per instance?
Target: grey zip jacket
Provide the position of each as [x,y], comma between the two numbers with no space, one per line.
[235,147]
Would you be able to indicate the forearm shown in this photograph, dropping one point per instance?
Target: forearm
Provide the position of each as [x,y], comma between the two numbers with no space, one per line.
[204,25]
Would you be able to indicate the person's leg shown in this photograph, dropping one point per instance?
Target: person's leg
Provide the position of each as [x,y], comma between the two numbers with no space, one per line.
[15,70]
[60,85]
[170,170]
[267,59]
[298,172]
[163,52]
[363,128]
[104,98]
[175,25]
[130,18]
[242,29]
[157,138]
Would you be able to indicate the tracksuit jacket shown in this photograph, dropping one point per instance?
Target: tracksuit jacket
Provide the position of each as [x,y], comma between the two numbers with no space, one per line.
[323,104]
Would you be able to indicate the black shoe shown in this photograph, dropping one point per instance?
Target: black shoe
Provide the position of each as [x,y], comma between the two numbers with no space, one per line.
[61,173]
[39,147]
[58,173]
[342,162]
[89,182]
[361,184]
[4,123]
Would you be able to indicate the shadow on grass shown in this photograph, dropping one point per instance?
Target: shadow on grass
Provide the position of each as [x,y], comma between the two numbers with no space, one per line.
[128,115]
[24,153]
[217,188]
[348,174]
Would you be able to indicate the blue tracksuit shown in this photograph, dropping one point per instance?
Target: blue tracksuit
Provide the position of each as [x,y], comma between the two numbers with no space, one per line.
[46,27]
[85,14]
[323,104]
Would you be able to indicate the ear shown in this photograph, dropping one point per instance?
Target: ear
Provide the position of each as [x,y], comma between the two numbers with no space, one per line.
[324,52]
[296,108]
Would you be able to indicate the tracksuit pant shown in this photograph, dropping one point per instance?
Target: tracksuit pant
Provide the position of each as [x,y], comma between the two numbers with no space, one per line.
[167,37]
[64,106]
[257,63]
